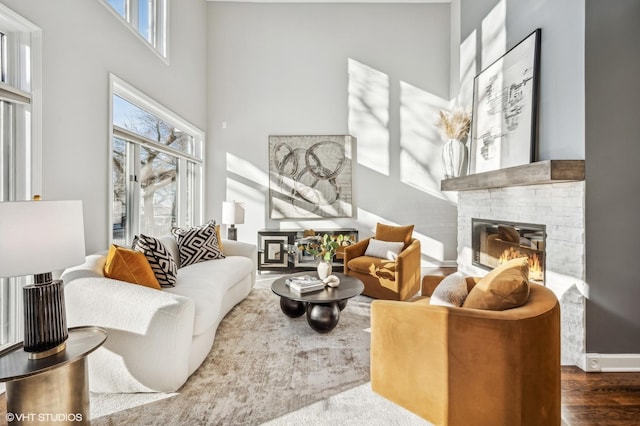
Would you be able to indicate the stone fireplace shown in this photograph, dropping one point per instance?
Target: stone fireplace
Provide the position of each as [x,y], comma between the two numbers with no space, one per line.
[557,206]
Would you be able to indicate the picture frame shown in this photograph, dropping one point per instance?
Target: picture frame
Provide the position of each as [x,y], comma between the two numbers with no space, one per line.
[504,122]
[310,176]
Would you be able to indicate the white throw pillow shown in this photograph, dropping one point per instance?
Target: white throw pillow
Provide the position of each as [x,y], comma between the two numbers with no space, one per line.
[384,249]
[452,291]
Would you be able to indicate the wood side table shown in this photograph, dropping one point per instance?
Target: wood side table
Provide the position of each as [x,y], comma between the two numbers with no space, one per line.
[51,390]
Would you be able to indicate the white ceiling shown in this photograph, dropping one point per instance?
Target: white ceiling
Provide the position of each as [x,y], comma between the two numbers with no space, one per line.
[333,1]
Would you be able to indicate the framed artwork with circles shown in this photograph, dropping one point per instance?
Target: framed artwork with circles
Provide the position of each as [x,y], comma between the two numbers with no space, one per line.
[310,177]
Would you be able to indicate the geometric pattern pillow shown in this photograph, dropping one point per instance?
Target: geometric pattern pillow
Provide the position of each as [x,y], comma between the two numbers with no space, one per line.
[164,267]
[197,243]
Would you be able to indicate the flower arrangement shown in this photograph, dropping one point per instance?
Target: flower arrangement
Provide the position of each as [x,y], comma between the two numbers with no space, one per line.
[454,124]
[327,246]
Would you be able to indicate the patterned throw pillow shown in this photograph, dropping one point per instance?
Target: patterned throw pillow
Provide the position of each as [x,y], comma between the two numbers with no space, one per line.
[162,264]
[197,243]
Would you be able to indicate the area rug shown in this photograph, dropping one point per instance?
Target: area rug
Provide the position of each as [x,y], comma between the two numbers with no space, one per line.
[266,367]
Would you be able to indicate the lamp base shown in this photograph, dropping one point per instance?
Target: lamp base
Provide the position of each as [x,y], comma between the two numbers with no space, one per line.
[39,355]
[232,233]
[45,322]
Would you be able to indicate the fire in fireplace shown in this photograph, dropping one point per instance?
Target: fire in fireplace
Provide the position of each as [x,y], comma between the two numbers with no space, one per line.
[495,242]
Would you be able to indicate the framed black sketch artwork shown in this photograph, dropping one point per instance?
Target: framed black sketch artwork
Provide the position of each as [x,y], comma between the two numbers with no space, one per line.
[504,122]
[310,177]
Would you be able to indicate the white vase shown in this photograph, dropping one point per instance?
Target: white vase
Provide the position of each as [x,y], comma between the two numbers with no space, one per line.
[324,269]
[453,154]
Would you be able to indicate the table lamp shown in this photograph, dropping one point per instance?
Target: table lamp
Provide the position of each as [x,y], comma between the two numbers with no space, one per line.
[232,214]
[38,237]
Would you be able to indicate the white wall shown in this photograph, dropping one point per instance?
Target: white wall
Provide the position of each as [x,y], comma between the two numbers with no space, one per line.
[377,71]
[82,43]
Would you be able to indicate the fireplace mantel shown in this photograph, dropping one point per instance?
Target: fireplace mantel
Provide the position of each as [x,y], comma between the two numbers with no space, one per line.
[541,172]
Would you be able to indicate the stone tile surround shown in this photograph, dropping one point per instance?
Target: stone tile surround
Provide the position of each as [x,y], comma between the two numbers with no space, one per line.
[559,206]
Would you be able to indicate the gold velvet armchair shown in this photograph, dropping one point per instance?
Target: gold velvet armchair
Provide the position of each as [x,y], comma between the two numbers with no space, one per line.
[461,366]
[397,279]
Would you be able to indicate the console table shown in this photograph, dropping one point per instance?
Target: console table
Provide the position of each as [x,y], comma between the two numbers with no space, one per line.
[282,250]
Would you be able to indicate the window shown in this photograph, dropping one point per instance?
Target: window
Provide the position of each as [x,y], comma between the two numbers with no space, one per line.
[19,142]
[156,170]
[146,17]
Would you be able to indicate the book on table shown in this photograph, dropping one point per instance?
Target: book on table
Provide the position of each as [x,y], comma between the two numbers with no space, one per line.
[305,284]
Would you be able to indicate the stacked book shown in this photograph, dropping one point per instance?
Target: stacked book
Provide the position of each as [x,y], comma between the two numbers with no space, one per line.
[305,284]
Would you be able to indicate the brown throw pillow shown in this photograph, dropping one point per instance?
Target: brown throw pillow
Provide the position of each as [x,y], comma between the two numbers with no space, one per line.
[130,266]
[506,287]
[394,233]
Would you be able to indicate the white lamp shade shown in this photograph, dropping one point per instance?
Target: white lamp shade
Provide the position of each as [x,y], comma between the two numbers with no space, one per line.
[232,213]
[38,237]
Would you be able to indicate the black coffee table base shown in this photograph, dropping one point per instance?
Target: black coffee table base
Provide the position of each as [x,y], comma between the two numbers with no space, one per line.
[322,317]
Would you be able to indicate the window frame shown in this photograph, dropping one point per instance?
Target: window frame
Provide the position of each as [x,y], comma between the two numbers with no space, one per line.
[22,84]
[118,87]
[160,29]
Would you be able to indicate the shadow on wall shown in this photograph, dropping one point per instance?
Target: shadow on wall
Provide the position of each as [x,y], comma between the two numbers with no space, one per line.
[397,173]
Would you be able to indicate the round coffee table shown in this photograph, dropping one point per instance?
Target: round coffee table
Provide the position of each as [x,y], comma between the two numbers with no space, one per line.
[323,306]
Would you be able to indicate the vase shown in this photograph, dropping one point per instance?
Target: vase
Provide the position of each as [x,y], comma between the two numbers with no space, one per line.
[324,269]
[453,154]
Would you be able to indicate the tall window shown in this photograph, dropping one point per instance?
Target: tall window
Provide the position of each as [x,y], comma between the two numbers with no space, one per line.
[19,142]
[145,17]
[156,170]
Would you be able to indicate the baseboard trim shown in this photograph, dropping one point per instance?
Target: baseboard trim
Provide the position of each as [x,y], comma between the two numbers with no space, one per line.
[610,363]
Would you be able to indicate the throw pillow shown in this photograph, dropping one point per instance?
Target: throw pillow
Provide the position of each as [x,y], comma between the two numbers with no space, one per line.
[506,287]
[394,233]
[164,267]
[131,266]
[384,249]
[219,237]
[451,291]
[197,243]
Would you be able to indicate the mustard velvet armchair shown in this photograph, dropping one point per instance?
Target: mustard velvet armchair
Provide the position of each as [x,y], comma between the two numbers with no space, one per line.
[397,279]
[466,367]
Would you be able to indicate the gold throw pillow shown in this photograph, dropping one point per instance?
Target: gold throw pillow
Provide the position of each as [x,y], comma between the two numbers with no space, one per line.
[131,266]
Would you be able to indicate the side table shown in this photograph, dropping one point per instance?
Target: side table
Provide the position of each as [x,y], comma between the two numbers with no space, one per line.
[54,389]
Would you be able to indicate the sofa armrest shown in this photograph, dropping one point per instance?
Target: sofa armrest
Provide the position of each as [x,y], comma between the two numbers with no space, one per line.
[408,270]
[430,282]
[238,248]
[149,330]
[353,251]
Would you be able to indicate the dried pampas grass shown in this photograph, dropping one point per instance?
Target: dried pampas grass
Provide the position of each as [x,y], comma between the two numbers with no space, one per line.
[454,124]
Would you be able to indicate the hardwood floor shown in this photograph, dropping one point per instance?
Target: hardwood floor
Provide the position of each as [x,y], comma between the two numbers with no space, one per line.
[588,399]
[594,399]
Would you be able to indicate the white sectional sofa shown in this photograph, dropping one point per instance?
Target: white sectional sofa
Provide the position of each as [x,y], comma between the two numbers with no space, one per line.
[157,338]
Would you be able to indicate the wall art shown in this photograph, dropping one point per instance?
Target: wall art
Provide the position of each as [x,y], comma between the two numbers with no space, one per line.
[310,177]
[504,124]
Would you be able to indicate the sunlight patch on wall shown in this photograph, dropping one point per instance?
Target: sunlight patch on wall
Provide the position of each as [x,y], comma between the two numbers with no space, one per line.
[255,205]
[369,115]
[420,141]
[244,168]
[494,34]
[430,248]
[467,69]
